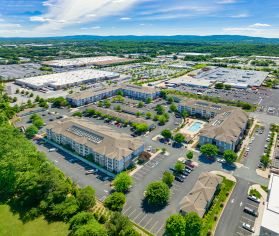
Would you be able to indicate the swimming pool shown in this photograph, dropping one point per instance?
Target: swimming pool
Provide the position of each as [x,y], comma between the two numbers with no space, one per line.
[195,127]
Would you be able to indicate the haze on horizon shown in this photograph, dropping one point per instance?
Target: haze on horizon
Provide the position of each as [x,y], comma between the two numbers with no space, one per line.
[139,17]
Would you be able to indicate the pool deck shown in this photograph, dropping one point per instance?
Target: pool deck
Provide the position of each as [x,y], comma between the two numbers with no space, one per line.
[188,123]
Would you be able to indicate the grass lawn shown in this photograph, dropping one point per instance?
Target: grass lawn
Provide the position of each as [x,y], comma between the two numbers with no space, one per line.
[11,225]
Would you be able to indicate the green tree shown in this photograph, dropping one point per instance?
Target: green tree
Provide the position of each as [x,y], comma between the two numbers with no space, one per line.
[209,150]
[120,93]
[160,109]
[230,156]
[117,108]
[59,102]
[173,107]
[148,100]
[162,120]
[107,103]
[80,219]
[193,224]
[179,166]
[31,131]
[190,155]
[148,115]
[175,225]
[120,225]
[166,134]
[170,100]
[157,193]
[77,113]
[93,228]
[141,128]
[265,160]
[179,138]
[140,104]
[168,178]
[219,85]
[86,198]
[184,114]
[115,201]
[122,182]
[100,104]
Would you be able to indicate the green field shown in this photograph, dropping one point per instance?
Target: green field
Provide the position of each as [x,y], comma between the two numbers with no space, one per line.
[11,225]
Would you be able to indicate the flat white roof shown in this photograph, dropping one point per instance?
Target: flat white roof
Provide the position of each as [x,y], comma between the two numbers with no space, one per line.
[235,76]
[271,212]
[83,61]
[188,80]
[69,77]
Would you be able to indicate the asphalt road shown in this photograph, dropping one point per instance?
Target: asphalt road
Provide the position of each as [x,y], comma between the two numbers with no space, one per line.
[230,218]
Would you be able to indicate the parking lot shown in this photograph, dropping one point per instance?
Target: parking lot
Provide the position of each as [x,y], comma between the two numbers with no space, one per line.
[77,171]
[153,219]
[246,218]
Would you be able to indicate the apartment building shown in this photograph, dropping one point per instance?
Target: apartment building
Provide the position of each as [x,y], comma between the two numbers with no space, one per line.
[226,125]
[131,91]
[110,149]
[202,194]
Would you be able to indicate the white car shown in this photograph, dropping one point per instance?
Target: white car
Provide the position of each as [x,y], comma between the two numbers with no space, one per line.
[254,199]
[248,227]
[221,160]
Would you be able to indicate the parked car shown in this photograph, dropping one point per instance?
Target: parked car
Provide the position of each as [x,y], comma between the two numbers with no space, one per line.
[179,178]
[221,160]
[52,149]
[187,170]
[250,211]
[254,199]
[89,172]
[73,160]
[248,227]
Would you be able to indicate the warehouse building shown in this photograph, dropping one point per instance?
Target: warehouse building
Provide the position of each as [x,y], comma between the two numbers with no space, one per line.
[94,95]
[66,79]
[86,61]
[100,144]
[235,77]
[270,219]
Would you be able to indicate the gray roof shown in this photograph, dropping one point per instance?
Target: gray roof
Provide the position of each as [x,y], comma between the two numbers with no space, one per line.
[94,92]
[226,126]
[201,194]
[121,115]
[112,144]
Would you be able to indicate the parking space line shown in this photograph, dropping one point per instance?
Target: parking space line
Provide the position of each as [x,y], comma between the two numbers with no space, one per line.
[148,222]
[153,225]
[248,219]
[137,216]
[132,212]
[239,233]
[127,209]
[142,218]
[159,229]
[249,204]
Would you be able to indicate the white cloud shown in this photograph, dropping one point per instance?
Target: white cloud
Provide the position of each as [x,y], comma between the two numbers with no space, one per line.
[226,1]
[69,12]
[260,25]
[39,19]
[240,15]
[125,18]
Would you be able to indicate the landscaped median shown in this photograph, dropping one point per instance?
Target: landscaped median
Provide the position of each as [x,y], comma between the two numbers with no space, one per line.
[214,213]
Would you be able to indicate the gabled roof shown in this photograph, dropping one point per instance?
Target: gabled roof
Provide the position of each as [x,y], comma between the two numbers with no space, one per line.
[201,194]
[107,142]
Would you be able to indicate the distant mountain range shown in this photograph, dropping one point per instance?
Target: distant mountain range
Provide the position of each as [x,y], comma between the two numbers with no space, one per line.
[187,38]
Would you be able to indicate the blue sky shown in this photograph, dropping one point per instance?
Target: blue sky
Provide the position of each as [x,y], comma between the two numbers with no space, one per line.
[139,17]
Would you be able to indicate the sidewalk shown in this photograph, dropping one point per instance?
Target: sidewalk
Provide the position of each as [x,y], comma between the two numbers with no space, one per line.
[140,166]
[258,220]
[245,143]
[80,158]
